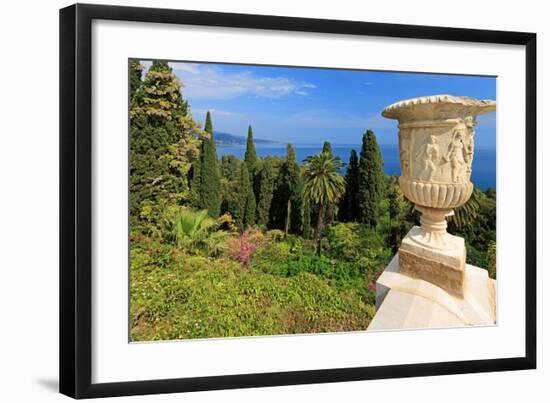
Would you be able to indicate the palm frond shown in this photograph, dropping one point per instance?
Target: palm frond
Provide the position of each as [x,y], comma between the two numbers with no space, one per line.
[466,215]
[323,183]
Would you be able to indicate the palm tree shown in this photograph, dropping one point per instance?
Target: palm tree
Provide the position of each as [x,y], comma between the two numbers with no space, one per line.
[195,230]
[323,185]
[466,215]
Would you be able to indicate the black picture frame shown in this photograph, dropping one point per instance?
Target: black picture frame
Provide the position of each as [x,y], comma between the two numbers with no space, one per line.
[75,307]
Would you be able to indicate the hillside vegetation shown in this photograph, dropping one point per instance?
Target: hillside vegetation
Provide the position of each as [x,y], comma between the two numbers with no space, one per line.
[260,246]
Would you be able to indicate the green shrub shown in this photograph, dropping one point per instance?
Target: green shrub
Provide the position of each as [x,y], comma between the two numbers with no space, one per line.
[275,235]
[193,231]
[353,242]
[202,297]
[344,240]
[320,266]
[275,252]
[492,260]
[476,257]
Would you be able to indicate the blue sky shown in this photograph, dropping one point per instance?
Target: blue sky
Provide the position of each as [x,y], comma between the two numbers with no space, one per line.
[310,105]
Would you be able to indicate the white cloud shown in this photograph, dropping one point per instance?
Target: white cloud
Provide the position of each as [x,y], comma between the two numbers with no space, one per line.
[197,112]
[211,82]
[186,67]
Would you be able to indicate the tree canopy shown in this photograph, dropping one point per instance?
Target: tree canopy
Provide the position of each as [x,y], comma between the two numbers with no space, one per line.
[264,184]
[327,147]
[323,184]
[287,207]
[163,140]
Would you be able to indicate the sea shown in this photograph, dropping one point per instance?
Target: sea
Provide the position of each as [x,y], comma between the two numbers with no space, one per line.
[483,169]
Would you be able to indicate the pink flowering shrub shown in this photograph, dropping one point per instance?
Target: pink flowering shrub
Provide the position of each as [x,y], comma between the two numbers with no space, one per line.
[243,247]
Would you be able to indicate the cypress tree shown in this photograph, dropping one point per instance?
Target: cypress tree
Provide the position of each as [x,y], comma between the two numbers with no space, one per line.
[296,199]
[231,188]
[281,195]
[264,183]
[394,201]
[230,168]
[349,206]
[238,193]
[279,202]
[247,201]
[250,209]
[208,124]
[370,176]
[209,187]
[287,206]
[250,157]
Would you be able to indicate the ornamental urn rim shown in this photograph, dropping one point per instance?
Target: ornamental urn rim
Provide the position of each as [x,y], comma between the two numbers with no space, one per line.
[436,107]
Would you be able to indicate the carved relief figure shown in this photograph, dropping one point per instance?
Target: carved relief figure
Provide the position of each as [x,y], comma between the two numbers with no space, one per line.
[428,155]
[469,155]
[469,144]
[455,155]
[404,154]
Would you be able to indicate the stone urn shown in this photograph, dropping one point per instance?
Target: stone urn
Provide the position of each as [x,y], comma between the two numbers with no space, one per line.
[436,147]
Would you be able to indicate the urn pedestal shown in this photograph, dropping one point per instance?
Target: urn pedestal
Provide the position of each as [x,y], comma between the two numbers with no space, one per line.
[442,267]
[436,149]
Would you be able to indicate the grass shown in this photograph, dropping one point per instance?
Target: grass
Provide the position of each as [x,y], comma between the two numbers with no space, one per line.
[199,297]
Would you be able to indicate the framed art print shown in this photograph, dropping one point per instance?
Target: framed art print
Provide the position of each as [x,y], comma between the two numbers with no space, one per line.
[256,200]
